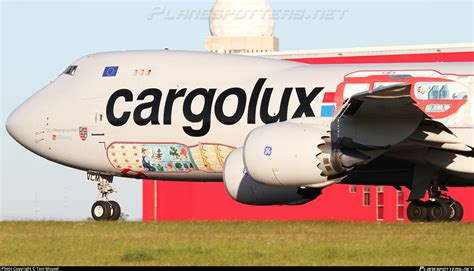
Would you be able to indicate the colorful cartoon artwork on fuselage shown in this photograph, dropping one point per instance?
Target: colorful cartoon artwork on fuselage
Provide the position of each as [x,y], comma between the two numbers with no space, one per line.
[444,97]
[167,157]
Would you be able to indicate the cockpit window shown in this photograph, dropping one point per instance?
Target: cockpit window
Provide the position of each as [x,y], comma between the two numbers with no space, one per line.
[70,70]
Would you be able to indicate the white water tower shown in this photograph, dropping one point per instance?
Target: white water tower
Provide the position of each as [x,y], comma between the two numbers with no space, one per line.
[241,26]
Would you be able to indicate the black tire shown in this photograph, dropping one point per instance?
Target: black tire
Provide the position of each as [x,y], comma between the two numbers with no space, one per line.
[439,211]
[417,211]
[458,211]
[115,210]
[100,211]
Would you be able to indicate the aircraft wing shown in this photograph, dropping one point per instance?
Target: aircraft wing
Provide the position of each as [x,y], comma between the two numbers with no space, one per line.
[387,122]
[377,119]
[385,117]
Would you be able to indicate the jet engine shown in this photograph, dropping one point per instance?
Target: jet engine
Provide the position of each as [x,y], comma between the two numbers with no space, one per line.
[296,154]
[242,188]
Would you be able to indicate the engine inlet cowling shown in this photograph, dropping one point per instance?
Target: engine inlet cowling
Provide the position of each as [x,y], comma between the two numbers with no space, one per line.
[293,154]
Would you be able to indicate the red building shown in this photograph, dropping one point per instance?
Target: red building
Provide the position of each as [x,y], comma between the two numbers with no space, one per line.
[178,201]
[181,201]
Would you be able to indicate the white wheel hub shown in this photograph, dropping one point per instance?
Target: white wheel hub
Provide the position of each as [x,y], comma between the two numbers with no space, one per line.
[99,211]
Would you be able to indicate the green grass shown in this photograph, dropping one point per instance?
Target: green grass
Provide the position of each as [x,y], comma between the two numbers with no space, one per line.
[235,243]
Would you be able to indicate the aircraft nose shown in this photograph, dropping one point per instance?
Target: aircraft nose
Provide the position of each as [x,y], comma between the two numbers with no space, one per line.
[24,125]
[19,126]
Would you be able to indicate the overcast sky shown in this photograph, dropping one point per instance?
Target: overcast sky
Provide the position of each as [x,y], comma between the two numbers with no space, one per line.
[40,39]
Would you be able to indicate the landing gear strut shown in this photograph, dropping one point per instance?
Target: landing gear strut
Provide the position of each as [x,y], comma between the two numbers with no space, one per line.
[440,207]
[104,209]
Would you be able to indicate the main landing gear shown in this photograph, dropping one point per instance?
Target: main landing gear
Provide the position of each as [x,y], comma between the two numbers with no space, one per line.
[104,209]
[440,207]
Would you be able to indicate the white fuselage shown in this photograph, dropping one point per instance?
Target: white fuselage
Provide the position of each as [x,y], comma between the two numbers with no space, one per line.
[177,115]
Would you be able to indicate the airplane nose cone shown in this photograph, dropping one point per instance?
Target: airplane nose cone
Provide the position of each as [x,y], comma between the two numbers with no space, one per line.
[19,127]
[26,125]
[8,125]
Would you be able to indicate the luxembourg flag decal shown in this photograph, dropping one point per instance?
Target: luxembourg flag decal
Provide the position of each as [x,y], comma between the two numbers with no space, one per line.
[329,104]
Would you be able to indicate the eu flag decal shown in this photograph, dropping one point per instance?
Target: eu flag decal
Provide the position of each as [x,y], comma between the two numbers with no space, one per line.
[110,71]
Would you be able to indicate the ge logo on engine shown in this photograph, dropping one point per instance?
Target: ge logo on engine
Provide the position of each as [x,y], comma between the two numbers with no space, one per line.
[268,151]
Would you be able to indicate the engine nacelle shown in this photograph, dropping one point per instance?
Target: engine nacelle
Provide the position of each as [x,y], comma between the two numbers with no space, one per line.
[242,188]
[294,154]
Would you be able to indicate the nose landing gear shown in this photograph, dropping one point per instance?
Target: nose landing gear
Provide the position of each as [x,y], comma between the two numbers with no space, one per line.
[104,209]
